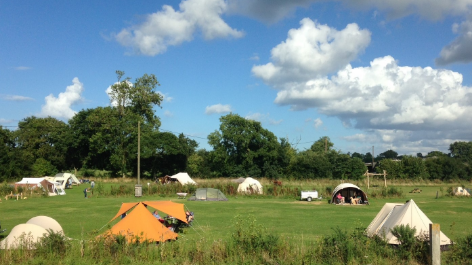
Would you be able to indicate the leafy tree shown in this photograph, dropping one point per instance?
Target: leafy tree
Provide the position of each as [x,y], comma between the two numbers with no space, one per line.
[42,167]
[436,154]
[311,165]
[8,156]
[243,147]
[394,168]
[45,138]
[389,154]
[323,144]
[134,103]
[368,158]
[461,151]
[358,155]
[414,167]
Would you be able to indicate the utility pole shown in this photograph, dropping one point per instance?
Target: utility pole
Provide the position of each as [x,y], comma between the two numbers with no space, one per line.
[138,188]
[139,152]
[372,157]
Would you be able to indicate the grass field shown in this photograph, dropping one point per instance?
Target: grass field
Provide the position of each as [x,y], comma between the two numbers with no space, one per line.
[286,217]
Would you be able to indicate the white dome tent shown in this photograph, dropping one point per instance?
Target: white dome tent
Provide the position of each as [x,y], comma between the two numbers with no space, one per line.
[250,185]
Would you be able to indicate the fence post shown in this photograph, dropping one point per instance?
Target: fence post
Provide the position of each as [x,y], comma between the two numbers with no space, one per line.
[434,243]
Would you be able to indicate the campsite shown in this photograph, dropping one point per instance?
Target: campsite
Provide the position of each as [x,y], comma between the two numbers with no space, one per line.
[299,222]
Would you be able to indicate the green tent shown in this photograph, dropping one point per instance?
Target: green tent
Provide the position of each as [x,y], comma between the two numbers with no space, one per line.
[208,194]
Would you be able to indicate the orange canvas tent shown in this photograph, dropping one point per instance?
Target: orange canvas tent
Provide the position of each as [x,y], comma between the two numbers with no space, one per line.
[171,208]
[140,223]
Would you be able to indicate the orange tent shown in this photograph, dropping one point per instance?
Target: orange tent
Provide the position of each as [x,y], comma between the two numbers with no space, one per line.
[140,223]
[171,208]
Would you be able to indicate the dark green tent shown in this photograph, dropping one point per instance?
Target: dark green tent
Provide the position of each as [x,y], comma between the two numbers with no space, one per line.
[208,194]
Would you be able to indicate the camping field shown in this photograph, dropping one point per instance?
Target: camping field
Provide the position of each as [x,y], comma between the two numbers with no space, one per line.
[287,217]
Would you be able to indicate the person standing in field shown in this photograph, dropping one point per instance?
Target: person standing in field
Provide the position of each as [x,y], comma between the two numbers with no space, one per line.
[92,184]
[85,192]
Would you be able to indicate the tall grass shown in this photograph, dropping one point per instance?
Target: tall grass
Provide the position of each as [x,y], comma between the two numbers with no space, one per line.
[251,243]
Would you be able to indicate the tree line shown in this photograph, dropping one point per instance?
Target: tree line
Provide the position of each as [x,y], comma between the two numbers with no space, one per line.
[105,138]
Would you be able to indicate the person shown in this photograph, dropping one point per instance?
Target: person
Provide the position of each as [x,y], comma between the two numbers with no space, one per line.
[85,192]
[340,198]
[92,184]
[189,216]
[155,214]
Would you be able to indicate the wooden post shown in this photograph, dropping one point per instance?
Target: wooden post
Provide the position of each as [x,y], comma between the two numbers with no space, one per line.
[385,178]
[368,180]
[435,240]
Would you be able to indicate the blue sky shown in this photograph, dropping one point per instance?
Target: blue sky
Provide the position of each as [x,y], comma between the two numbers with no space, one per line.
[390,74]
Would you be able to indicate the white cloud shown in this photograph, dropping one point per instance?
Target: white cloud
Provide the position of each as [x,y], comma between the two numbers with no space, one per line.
[399,102]
[60,107]
[275,122]
[312,50]
[459,50]
[165,97]
[168,114]
[255,116]
[263,118]
[386,95]
[16,98]
[317,123]
[218,108]
[22,68]
[170,27]
[255,57]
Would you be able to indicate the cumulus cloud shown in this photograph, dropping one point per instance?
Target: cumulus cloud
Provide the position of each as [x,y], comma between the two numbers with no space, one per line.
[386,95]
[391,103]
[312,50]
[60,107]
[459,50]
[218,108]
[398,102]
[317,123]
[15,98]
[271,11]
[170,27]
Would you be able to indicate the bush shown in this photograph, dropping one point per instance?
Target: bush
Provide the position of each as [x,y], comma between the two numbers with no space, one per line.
[252,237]
[52,244]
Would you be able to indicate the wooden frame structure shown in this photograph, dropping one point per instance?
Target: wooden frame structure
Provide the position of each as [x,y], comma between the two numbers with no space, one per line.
[367,174]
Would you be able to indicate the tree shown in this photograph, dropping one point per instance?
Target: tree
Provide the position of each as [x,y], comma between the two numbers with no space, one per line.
[45,138]
[134,103]
[461,151]
[323,144]
[243,147]
[8,161]
[389,154]
[358,155]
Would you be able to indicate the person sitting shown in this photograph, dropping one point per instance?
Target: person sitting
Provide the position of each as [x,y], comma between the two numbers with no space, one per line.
[189,216]
[159,218]
[340,198]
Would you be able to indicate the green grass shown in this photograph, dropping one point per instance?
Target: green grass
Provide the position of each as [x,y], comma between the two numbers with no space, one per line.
[285,217]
